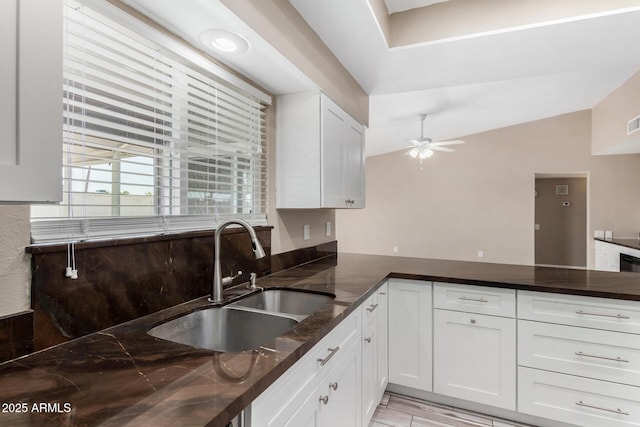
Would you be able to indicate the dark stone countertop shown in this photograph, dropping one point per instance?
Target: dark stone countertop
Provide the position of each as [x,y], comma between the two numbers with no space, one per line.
[629,243]
[123,377]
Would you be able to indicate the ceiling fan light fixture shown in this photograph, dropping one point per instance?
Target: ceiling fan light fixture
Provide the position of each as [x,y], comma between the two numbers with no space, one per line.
[425,153]
[414,152]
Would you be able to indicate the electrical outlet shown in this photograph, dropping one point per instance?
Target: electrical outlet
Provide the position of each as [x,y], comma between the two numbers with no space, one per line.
[395,249]
[327,230]
[307,232]
[480,254]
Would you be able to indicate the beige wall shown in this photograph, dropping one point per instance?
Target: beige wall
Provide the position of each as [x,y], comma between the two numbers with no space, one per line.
[15,266]
[615,194]
[480,198]
[610,117]
[561,237]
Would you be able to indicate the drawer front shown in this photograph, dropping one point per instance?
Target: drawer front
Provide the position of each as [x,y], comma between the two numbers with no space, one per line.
[580,401]
[370,308]
[587,312]
[475,299]
[604,355]
[286,394]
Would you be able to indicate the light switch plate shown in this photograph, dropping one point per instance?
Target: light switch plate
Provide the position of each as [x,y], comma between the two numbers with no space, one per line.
[307,232]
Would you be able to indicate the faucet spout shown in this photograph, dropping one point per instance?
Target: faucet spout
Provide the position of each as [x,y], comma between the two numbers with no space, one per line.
[218,280]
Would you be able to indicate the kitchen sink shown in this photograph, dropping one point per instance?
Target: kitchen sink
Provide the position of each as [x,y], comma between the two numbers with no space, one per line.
[243,325]
[284,301]
[224,329]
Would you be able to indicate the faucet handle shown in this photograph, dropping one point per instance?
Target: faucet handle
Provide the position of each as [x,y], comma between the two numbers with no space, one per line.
[252,280]
[227,280]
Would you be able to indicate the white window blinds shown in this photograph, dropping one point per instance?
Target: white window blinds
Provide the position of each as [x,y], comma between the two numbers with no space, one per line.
[150,144]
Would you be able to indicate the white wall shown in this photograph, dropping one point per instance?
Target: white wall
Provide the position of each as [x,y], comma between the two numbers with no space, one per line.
[15,264]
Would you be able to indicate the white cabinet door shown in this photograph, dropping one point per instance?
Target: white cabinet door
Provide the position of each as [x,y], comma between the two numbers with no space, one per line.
[370,369]
[319,153]
[332,152]
[475,357]
[383,340]
[354,166]
[31,100]
[343,390]
[410,333]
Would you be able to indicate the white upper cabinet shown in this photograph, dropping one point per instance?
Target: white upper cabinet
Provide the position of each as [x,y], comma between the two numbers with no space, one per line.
[31,100]
[320,154]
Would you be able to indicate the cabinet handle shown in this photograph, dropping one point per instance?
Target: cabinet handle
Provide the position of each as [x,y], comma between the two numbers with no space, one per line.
[372,307]
[472,321]
[332,351]
[382,293]
[615,316]
[324,399]
[368,339]
[333,386]
[615,411]
[615,359]
[473,299]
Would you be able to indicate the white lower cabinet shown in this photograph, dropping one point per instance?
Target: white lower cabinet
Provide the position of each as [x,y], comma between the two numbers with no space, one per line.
[474,354]
[579,359]
[336,401]
[576,400]
[410,334]
[474,357]
[322,389]
[374,352]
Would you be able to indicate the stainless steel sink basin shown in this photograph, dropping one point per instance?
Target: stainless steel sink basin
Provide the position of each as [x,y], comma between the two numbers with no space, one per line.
[284,301]
[223,329]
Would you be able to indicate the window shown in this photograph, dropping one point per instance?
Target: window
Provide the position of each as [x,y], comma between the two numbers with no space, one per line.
[151,142]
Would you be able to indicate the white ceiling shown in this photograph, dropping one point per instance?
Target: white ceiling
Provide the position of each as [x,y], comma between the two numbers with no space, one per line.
[394,6]
[478,83]
[466,85]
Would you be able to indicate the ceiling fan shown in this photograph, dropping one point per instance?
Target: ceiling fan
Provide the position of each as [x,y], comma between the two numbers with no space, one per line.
[424,147]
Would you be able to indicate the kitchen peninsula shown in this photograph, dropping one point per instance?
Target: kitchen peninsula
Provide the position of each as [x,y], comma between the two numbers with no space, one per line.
[122,376]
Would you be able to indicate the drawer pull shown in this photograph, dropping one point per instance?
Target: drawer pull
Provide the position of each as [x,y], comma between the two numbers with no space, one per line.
[473,299]
[382,293]
[615,411]
[615,316]
[332,351]
[324,399]
[368,339]
[333,386]
[615,359]
[372,307]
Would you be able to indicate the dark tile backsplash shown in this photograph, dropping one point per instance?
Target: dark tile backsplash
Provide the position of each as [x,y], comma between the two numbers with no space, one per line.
[125,279]
[121,280]
[16,335]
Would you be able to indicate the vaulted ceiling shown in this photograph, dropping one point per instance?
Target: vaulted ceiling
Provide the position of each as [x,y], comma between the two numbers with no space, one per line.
[471,65]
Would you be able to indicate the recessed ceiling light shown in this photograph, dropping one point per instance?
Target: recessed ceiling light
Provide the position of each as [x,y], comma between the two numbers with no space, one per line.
[224,41]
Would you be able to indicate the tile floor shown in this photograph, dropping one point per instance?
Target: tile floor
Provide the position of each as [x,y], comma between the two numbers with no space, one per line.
[401,411]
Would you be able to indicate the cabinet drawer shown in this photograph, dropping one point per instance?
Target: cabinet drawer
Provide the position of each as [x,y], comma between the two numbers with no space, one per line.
[575,310]
[286,394]
[604,355]
[475,299]
[580,401]
[370,308]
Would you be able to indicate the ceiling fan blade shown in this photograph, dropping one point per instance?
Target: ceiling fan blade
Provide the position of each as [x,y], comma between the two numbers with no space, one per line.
[436,148]
[451,142]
